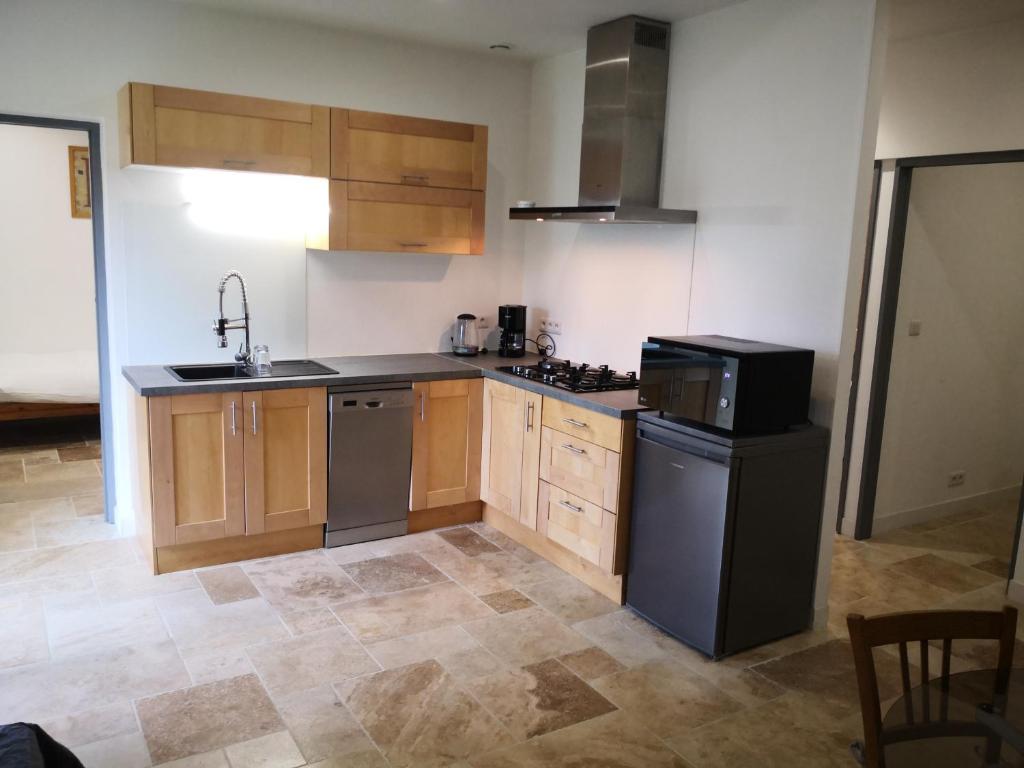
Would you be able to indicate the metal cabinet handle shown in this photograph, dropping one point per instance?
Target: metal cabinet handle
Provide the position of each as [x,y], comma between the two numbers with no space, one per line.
[234,427]
[254,417]
[423,404]
[575,423]
[572,507]
[574,449]
[414,177]
[529,417]
[413,245]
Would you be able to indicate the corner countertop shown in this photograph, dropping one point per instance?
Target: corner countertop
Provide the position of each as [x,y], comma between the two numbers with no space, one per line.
[157,381]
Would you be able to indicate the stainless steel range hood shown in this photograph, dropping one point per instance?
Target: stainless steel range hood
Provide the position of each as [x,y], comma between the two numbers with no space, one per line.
[623,129]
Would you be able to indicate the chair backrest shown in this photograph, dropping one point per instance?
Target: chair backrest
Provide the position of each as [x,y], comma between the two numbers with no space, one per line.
[921,627]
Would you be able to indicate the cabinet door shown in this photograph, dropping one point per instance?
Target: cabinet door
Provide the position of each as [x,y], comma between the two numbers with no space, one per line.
[201,129]
[531,460]
[501,470]
[446,442]
[285,458]
[578,525]
[197,469]
[407,219]
[372,146]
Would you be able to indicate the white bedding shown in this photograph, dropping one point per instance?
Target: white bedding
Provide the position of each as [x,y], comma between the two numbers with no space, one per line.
[49,378]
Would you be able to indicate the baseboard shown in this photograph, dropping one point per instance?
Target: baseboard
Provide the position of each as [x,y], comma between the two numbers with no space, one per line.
[443,517]
[935,511]
[198,554]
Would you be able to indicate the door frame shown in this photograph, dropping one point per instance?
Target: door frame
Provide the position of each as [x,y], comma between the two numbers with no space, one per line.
[891,274]
[92,129]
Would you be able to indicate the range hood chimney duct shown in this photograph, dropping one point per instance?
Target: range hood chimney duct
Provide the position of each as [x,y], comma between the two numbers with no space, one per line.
[623,128]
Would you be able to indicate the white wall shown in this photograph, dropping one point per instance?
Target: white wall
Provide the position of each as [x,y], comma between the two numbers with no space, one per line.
[764,137]
[961,91]
[66,58]
[47,292]
[954,401]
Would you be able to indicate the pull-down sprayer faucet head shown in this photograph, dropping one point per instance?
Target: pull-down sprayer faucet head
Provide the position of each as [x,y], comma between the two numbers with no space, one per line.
[222,325]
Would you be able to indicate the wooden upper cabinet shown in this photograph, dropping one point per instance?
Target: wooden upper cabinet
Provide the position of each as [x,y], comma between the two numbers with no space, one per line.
[368,216]
[180,127]
[196,467]
[372,146]
[511,451]
[285,458]
[446,443]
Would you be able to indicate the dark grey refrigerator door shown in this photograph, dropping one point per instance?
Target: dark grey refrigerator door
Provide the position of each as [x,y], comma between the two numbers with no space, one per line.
[680,503]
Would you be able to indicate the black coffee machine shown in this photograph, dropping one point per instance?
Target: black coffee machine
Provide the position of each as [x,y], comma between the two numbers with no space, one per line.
[512,322]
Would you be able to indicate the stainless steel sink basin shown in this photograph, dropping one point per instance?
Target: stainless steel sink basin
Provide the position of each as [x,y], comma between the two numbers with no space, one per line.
[221,371]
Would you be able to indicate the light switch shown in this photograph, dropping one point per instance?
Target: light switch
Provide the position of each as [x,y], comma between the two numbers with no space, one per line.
[914,328]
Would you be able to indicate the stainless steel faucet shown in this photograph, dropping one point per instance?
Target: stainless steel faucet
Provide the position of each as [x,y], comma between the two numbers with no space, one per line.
[222,325]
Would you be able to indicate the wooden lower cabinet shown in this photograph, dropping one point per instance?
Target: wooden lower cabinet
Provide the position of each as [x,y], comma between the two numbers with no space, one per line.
[446,443]
[226,472]
[511,451]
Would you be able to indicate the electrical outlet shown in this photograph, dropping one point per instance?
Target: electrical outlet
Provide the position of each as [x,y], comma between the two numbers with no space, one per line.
[551,327]
[482,323]
[956,478]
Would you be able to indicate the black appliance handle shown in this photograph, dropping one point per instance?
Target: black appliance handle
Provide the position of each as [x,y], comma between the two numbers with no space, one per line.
[692,450]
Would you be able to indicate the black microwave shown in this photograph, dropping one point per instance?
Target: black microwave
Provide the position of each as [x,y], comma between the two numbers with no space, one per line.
[740,386]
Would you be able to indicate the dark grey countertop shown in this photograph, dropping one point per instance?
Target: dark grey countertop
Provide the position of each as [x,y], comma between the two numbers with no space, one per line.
[156,381]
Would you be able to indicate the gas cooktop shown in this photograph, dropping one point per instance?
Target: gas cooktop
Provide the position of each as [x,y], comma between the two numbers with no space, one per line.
[575,378]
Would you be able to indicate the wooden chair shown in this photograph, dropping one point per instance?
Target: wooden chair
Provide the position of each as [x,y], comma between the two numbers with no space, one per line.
[921,627]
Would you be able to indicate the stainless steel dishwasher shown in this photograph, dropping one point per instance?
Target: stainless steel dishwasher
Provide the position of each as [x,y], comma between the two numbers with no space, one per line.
[370,462]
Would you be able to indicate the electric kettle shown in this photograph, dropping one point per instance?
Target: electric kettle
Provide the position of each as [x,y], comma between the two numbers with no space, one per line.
[465,341]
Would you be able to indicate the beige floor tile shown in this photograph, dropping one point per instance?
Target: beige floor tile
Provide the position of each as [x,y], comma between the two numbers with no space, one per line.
[88,504]
[75,625]
[614,740]
[302,582]
[66,560]
[420,717]
[54,585]
[228,584]
[569,599]
[51,489]
[125,751]
[354,553]
[301,622]
[467,541]
[367,759]
[789,732]
[219,665]
[76,531]
[414,610]
[93,724]
[32,456]
[470,572]
[16,530]
[48,473]
[666,697]
[213,759]
[12,471]
[275,750]
[393,573]
[321,725]
[206,717]
[310,660]
[517,572]
[526,637]
[409,649]
[470,663]
[591,663]
[130,582]
[49,510]
[997,566]
[414,543]
[612,634]
[79,453]
[22,634]
[99,678]
[538,698]
[199,627]
[944,573]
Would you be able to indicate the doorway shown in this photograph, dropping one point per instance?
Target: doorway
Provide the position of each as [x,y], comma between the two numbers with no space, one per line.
[938,430]
[55,415]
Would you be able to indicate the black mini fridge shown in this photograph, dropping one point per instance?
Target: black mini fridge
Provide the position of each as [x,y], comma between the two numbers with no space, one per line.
[724,533]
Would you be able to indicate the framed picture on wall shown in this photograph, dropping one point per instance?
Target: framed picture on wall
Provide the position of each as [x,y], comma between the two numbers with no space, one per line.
[81,189]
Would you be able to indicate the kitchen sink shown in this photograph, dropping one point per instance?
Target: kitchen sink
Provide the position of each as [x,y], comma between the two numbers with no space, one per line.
[220,371]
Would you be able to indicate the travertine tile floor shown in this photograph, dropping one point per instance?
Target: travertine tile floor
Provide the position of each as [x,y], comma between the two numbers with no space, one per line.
[449,648]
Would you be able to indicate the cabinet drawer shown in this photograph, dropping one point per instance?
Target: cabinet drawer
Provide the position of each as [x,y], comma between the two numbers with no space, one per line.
[576,524]
[584,469]
[394,217]
[583,424]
